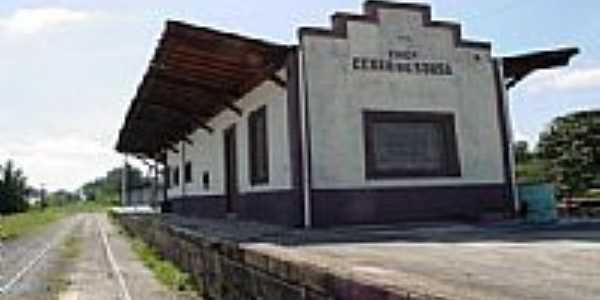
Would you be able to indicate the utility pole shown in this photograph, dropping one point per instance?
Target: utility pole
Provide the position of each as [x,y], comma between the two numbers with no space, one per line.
[125,183]
[43,202]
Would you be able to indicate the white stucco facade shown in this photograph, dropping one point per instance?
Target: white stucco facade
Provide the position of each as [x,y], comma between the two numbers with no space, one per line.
[337,95]
[384,116]
[207,152]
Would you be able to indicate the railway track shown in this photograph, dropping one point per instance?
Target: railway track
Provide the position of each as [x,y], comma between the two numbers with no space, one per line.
[115,268]
[20,259]
[12,281]
[29,266]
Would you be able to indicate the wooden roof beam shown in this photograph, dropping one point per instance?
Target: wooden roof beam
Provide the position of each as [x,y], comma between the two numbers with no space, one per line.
[189,84]
[516,68]
[275,78]
[201,38]
[172,148]
[207,128]
[154,128]
[181,113]
[236,109]
[204,65]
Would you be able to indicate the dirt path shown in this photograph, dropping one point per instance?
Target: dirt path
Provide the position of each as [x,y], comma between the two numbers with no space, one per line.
[98,275]
[91,277]
[69,261]
[29,265]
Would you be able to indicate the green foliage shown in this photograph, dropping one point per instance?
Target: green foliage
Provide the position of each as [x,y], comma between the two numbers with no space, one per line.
[13,189]
[16,225]
[108,187]
[166,272]
[62,198]
[532,171]
[593,194]
[571,145]
[530,168]
[522,153]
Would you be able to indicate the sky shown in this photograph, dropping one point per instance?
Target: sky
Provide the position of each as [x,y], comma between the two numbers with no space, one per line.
[68,69]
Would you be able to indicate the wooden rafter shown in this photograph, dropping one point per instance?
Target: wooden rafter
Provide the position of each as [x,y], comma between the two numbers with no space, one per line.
[278,80]
[195,74]
[182,114]
[189,84]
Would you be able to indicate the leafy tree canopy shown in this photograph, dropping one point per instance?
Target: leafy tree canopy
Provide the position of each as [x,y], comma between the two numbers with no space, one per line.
[571,146]
[13,189]
[109,186]
[522,152]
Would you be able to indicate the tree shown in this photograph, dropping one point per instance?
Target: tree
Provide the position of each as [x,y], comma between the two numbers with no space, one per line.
[62,197]
[571,145]
[109,186]
[13,189]
[530,168]
[522,153]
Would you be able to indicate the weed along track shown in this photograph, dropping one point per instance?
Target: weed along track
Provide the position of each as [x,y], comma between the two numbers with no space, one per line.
[106,268]
[76,261]
[94,274]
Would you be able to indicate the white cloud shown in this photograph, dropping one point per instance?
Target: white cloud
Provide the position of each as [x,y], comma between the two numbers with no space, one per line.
[61,162]
[563,80]
[29,21]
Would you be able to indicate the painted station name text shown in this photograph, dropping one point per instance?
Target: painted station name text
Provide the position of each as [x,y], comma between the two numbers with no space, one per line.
[407,65]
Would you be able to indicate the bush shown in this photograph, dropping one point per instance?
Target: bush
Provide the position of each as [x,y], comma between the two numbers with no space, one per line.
[13,189]
[571,145]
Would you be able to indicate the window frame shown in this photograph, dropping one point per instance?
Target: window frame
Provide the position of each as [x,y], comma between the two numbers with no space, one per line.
[450,164]
[258,115]
[206,180]
[187,173]
[167,174]
[176,176]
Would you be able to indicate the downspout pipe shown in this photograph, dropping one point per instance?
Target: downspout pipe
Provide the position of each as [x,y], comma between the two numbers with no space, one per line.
[305,139]
[166,173]
[124,182]
[182,182]
[510,136]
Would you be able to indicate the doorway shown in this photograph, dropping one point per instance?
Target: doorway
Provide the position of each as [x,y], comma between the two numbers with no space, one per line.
[231,165]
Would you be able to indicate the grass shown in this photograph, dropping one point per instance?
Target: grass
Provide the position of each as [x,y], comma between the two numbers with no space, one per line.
[71,248]
[595,194]
[69,251]
[17,225]
[166,272]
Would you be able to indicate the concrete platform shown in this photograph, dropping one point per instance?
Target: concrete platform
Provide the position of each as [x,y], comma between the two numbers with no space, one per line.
[440,261]
[463,262]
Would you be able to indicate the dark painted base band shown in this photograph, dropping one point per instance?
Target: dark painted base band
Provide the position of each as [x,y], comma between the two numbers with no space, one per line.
[407,204]
[283,207]
[357,206]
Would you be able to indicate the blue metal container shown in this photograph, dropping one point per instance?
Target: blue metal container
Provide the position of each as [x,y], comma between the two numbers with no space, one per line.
[539,200]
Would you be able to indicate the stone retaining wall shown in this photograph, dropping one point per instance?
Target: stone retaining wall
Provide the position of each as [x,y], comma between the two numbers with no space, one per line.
[224,269]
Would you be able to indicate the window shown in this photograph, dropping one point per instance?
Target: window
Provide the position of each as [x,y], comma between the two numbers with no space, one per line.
[187,172]
[176,176]
[206,180]
[258,145]
[167,176]
[410,144]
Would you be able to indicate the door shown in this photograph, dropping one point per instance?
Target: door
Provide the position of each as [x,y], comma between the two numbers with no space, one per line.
[231,178]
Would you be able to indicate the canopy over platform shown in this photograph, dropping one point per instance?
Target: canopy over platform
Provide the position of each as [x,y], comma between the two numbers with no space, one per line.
[516,68]
[196,73]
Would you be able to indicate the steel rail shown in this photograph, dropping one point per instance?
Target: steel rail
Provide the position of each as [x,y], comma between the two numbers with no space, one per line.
[116,270]
[4,289]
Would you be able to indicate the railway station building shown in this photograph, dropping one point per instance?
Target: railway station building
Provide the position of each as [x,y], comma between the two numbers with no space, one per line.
[385,116]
